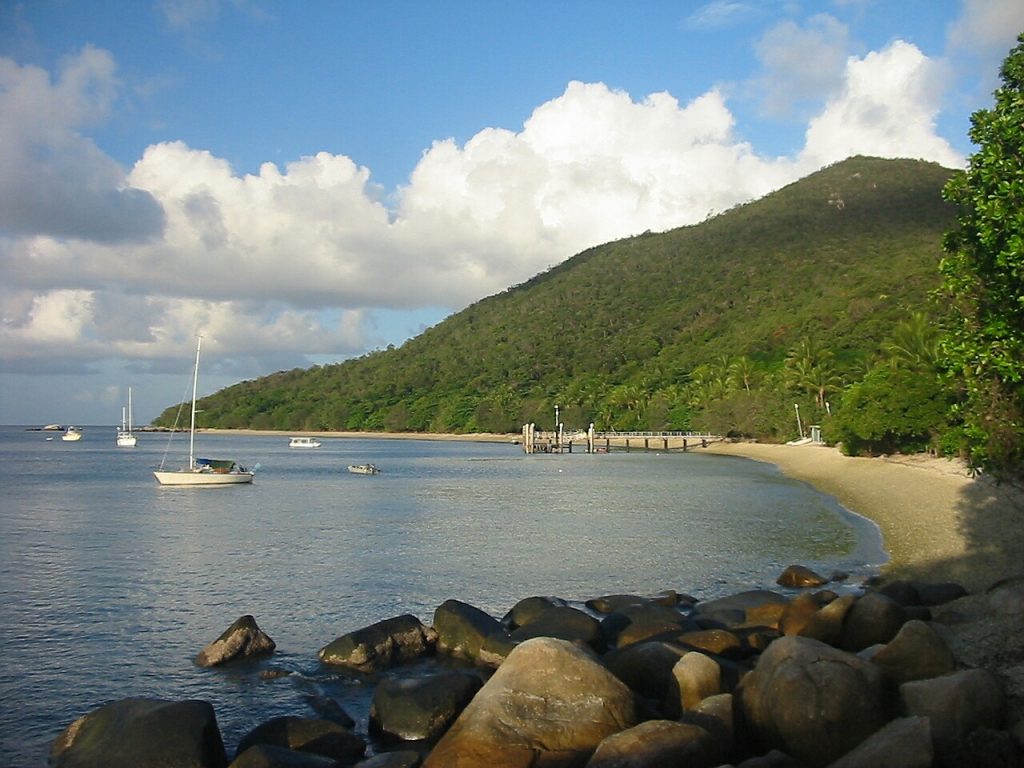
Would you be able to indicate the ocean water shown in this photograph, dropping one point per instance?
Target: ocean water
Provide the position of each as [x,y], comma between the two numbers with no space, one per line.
[111,584]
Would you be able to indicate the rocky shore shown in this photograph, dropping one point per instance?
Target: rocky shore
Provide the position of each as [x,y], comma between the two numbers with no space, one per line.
[925,667]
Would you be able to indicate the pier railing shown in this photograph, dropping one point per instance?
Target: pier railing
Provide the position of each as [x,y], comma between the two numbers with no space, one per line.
[562,440]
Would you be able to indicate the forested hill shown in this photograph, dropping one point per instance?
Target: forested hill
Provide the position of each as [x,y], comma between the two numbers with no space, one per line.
[631,334]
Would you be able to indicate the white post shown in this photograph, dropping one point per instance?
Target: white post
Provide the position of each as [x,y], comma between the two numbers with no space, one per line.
[799,426]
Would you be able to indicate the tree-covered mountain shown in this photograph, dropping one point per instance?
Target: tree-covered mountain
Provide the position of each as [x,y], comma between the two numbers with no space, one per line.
[721,325]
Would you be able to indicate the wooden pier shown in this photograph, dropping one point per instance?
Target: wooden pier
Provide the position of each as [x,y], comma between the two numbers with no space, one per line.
[592,441]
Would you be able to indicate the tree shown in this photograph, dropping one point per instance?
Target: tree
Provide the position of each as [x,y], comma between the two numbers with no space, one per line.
[983,280]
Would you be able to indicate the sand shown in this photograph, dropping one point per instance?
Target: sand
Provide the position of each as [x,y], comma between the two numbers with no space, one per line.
[938,523]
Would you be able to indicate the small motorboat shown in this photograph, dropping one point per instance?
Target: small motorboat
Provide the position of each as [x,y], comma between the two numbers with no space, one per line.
[71,434]
[303,442]
[364,469]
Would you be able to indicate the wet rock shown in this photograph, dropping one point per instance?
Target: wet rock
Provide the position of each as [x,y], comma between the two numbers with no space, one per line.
[565,623]
[420,709]
[142,733]
[381,645]
[303,734]
[270,756]
[242,639]
[462,628]
[529,609]
[800,576]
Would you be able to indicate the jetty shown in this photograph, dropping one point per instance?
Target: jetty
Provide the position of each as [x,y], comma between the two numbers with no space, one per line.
[590,440]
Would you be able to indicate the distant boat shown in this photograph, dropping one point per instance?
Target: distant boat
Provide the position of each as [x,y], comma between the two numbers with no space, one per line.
[205,472]
[71,435]
[303,442]
[364,469]
[125,438]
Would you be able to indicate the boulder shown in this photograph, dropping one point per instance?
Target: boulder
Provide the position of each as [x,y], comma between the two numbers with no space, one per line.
[462,628]
[550,703]
[916,653]
[657,743]
[420,709]
[872,619]
[399,759]
[142,733]
[813,701]
[646,667]
[270,756]
[318,737]
[800,576]
[902,743]
[565,623]
[827,623]
[611,603]
[696,676]
[739,607]
[797,612]
[940,594]
[720,642]
[956,705]
[529,609]
[381,645]
[242,639]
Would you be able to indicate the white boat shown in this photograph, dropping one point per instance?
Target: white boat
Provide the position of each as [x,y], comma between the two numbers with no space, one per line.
[303,442]
[71,435]
[202,472]
[364,469]
[125,438]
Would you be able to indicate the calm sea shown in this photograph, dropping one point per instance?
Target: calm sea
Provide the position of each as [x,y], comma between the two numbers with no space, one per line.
[110,584]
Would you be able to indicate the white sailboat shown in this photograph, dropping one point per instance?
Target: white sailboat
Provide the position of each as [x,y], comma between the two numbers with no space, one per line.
[204,472]
[125,438]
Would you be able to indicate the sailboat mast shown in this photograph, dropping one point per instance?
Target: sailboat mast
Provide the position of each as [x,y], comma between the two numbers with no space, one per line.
[129,409]
[192,427]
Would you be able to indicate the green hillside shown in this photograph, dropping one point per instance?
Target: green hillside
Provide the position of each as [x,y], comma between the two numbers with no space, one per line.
[653,331]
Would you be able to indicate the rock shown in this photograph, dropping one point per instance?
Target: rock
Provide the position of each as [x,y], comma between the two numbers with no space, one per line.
[715,715]
[902,743]
[812,701]
[398,759]
[328,709]
[696,676]
[462,628]
[657,743]
[380,645]
[903,592]
[529,609]
[241,640]
[420,709]
[797,612]
[872,619]
[646,667]
[956,704]
[318,737]
[142,733]
[916,653]
[726,610]
[720,642]
[940,594]
[550,703]
[270,756]
[773,759]
[494,650]
[612,603]
[1007,596]
[827,623]
[800,576]
[565,623]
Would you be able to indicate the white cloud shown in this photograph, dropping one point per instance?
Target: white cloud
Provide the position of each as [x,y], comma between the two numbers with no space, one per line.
[788,83]
[718,14]
[987,28]
[887,108]
[293,261]
[54,180]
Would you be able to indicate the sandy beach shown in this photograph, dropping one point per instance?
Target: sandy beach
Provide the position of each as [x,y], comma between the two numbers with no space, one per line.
[937,522]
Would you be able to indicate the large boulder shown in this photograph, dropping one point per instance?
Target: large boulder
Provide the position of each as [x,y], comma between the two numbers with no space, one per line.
[916,653]
[420,709]
[242,639]
[270,756]
[378,646]
[800,576]
[871,620]
[902,743]
[646,667]
[529,609]
[305,734]
[657,743]
[550,703]
[565,623]
[142,733]
[956,704]
[696,676]
[750,605]
[813,701]
[463,628]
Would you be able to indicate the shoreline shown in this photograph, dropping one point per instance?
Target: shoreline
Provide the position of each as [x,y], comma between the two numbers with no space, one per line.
[937,523]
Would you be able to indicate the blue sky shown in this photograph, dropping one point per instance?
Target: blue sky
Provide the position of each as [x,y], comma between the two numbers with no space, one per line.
[305,182]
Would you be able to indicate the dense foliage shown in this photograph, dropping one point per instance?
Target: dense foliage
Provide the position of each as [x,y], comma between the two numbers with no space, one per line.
[983,279]
[723,326]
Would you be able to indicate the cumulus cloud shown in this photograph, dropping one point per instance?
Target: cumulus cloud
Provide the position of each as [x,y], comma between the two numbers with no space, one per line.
[53,179]
[788,85]
[293,261]
[887,107]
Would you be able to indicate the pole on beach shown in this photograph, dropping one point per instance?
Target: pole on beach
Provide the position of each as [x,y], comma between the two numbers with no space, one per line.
[799,426]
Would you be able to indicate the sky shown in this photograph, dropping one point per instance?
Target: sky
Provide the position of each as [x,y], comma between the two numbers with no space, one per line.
[303,183]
